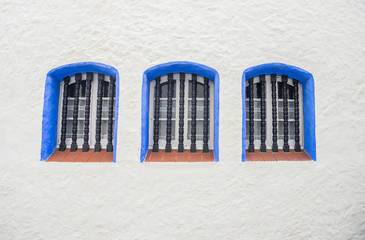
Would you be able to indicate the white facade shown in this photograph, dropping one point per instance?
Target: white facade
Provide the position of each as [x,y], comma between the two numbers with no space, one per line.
[225,200]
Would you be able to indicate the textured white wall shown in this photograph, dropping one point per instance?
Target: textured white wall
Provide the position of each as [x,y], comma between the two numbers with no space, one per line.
[225,200]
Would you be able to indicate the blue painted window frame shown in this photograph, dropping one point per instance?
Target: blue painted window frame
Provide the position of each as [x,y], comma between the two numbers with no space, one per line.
[177,67]
[307,81]
[51,101]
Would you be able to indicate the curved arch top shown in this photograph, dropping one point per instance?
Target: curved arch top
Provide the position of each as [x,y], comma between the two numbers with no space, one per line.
[176,67]
[81,67]
[307,81]
[51,100]
[280,69]
[181,66]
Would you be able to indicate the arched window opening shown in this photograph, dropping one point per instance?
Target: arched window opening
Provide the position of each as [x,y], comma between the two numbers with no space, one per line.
[80,113]
[278,113]
[180,113]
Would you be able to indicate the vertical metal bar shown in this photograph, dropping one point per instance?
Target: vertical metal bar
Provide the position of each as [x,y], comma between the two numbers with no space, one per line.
[170,77]
[156,123]
[76,112]
[193,113]
[296,115]
[274,147]
[206,115]
[263,113]
[181,113]
[285,112]
[109,146]
[89,78]
[251,146]
[62,146]
[99,106]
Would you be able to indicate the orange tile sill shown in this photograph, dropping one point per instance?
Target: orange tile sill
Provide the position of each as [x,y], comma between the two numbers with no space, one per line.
[175,156]
[80,156]
[279,156]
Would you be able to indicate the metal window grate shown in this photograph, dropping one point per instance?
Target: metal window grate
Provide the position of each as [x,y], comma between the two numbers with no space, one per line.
[181,104]
[273,113]
[87,117]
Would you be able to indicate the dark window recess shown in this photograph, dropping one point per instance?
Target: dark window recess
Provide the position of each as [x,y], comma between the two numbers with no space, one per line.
[285,113]
[76,115]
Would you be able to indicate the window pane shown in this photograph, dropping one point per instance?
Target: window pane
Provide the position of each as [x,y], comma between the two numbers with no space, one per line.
[281,130]
[82,103]
[163,108]
[257,109]
[291,110]
[257,90]
[70,107]
[281,110]
[164,89]
[290,91]
[82,88]
[69,129]
[105,108]
[162,129]
[104,129]
[199,109]
[80,129]
[105,88]
[199,89]
[257,130]
[199,130]
[71,90]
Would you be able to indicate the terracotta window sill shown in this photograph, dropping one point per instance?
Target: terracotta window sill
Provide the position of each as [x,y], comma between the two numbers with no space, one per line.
[175,156]
[279,156]
[80,156]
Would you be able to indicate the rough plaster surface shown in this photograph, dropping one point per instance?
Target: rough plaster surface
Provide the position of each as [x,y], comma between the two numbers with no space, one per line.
[225,200]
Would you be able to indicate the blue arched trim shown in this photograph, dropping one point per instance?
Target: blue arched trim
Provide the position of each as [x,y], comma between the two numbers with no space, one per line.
[51,100]
[176,67]
[307,81]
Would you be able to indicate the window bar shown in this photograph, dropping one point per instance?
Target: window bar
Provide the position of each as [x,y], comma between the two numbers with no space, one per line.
[76,112]
[89,78]
[263,114]
[251,146]
[170,77]
[274,147]
[156,123]
[181,113]
[285,112]
[62,146]
[99,113]
[109,146]
[206,115]
[193,113]
[296,115]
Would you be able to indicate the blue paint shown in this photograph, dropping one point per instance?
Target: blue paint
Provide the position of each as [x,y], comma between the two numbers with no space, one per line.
[177,67]
[307,81]
[51,100]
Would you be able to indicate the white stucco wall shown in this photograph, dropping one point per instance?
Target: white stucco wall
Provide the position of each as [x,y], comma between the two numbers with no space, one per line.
[225,200]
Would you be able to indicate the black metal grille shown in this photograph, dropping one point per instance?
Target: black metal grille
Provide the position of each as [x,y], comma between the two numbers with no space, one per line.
[81,90]
[285,112]
[183,128]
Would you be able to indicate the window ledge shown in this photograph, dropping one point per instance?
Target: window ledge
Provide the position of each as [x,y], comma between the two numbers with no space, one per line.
[279,156]
[175,156]
[80,156]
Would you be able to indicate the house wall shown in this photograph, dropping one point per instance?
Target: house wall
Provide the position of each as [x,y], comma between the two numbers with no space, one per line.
[225,200]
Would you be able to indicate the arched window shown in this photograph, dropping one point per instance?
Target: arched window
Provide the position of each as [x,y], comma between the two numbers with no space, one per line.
[180,112]
[80,113]
[278,113]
